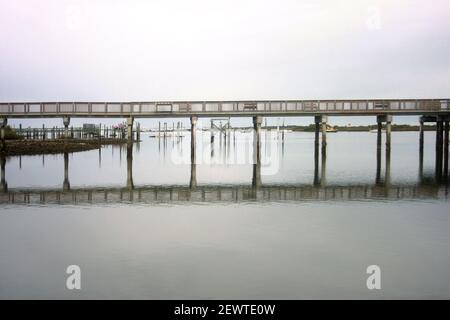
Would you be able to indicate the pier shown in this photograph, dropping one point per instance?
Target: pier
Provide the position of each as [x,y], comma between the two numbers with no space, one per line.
[428,186]
[383,110]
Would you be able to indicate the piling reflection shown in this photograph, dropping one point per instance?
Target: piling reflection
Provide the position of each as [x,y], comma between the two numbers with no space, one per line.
[225,193]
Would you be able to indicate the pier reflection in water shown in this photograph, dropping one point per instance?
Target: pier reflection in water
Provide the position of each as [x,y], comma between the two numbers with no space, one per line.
[213,190]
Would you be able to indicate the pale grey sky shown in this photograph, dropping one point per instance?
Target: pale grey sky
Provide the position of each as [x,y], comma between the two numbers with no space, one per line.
[223,49]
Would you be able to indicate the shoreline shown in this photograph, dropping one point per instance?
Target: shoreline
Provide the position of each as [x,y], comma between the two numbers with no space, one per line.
[56,146]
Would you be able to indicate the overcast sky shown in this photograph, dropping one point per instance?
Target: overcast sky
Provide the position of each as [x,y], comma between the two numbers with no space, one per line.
[223,49]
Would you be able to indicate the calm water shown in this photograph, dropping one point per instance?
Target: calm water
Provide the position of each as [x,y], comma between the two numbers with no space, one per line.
[144,223]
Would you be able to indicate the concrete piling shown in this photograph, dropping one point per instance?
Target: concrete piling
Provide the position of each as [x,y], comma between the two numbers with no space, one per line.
[379,139]
[446,141]
[439,143]
[388,119]
[193,139]
[256,179]
[4,122]
[130,121]
[130,183]
[138,131]
[66,122]
[257,139]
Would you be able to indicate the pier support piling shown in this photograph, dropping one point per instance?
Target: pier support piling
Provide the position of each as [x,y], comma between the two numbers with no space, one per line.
[387,178]
[193,139]
[316,130]
[212,138]
[138,131]
[421,134]
[421,142]
[439,144]
[321,125]
[379,139]
[257,139]
[388,120]
[316,157]
[4,122]
[130,183]
[379,128]
[446,137]
[130,121]
[388,131]
[256,177]
[66,122]
[324,130]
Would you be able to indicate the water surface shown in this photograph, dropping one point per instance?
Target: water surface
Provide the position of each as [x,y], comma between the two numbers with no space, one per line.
[145,223]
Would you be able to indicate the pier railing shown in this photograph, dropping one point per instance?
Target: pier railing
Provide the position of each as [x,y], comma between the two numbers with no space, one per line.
[180,108]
